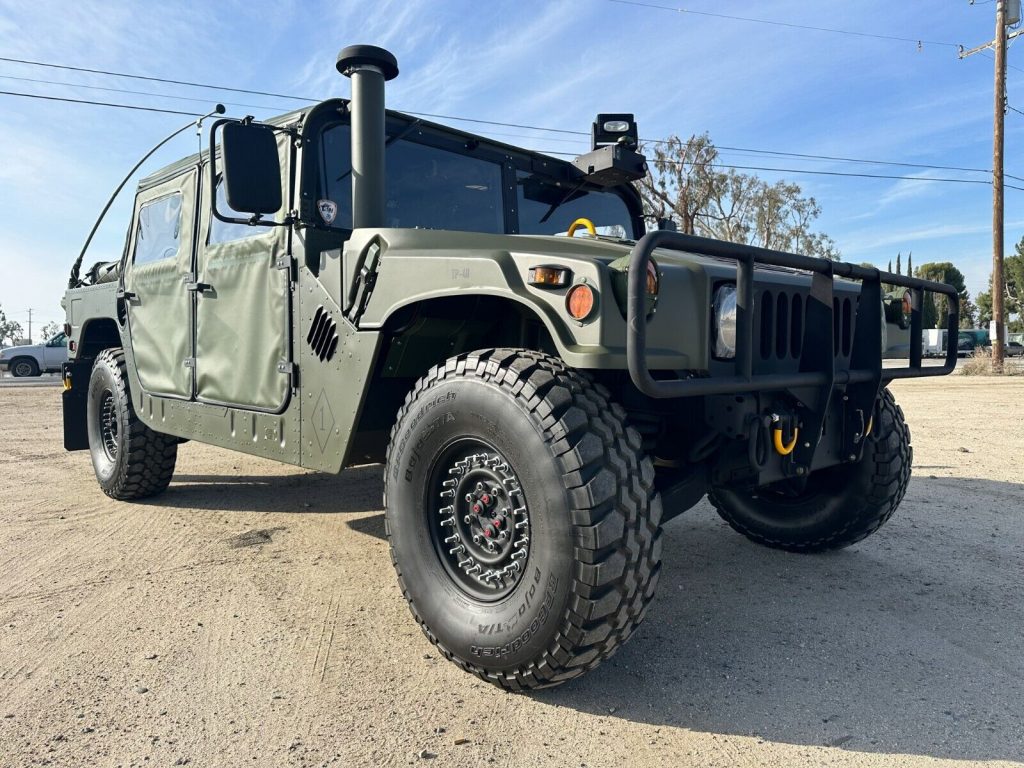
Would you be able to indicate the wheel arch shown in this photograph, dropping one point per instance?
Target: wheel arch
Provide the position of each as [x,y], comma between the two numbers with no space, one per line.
[423,332]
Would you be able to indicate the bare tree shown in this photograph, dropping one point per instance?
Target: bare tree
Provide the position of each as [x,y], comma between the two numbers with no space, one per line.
[10,330]
[686,185]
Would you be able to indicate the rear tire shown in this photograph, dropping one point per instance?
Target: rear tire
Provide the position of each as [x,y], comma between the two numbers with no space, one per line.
[24,367]
[840,506]
[130,459]
[571,489]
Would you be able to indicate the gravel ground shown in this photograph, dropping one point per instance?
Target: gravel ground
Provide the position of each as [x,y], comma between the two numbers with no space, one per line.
[250,616]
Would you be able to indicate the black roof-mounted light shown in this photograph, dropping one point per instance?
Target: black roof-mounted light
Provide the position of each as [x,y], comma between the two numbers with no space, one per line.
[613,159]
[614,128]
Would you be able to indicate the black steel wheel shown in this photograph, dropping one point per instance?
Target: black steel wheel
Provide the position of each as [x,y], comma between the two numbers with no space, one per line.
[838,506]
[481,524]
[522,517]
[131,460]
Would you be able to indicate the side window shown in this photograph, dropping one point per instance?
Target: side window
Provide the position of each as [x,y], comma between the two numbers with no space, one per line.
[159,233]
[57,341]
[225,231]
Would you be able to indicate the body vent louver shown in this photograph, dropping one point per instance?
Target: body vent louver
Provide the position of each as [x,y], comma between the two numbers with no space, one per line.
[323,334]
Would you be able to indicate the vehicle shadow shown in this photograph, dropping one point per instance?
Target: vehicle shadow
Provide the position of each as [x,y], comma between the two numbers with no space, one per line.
[910,642]
[358,489]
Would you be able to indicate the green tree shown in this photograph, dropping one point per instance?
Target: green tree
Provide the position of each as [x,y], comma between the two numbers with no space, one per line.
[685,184]
[910,267]
[899,271]
[935,304]
[10,330]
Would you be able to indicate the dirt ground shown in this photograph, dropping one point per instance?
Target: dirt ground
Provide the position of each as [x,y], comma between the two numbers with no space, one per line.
[250,616]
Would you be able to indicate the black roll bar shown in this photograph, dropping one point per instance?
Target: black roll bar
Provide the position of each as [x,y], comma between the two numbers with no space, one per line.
[746,258]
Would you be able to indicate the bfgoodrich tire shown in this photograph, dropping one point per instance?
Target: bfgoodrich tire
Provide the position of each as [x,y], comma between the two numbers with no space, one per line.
[522,517]
[130,459]
[840,505]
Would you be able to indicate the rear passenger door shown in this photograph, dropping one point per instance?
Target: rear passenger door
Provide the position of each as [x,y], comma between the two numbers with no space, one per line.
[157,270]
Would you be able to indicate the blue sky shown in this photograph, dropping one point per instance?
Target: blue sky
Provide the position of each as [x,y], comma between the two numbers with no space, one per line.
[551,64]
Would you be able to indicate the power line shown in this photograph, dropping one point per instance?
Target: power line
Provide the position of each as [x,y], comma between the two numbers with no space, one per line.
[826,173]
[771,22]
[569,154]
[139,93]
[478,121]
[100,103]
[154,79]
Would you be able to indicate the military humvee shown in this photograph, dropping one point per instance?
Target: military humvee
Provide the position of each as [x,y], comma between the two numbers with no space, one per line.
[545,381]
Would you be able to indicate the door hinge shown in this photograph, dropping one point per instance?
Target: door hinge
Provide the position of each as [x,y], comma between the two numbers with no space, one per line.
[286,367]
[284,261]
[198,287]
[189,362]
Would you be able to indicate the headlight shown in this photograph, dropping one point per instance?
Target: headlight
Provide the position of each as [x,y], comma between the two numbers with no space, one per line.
[725,321]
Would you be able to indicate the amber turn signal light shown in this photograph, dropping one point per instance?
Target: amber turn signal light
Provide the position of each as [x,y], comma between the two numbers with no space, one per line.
[580,301]
[550,277]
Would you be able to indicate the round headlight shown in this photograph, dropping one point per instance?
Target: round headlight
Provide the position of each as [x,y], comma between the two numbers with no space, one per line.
[725,321]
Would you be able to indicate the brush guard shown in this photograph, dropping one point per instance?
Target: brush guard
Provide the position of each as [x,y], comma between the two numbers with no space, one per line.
[818,377]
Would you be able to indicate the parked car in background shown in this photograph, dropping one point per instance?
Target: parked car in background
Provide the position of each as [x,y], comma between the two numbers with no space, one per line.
[1014,349]
[35,359]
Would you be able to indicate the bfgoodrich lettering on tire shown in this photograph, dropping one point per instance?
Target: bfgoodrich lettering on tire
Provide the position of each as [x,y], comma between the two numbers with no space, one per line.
[130,459]
[522,517]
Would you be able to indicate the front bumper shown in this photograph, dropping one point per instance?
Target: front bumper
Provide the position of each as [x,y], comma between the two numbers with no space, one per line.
[837,375]
[5,365]
[818,366]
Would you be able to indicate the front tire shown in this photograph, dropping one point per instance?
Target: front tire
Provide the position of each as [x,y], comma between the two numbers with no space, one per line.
[24,367]
[514,442]
[130,459]
[840,505]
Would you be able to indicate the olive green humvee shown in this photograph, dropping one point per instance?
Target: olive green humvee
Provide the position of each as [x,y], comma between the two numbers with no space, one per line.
[545,380]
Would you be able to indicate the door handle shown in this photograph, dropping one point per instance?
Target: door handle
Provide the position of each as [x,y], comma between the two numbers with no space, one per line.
[198,287]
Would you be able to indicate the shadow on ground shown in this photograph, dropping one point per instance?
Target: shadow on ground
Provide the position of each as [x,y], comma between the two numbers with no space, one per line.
[909,642]
[358,489]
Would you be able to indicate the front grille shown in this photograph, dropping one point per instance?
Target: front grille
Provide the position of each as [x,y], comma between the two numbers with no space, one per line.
[781,316]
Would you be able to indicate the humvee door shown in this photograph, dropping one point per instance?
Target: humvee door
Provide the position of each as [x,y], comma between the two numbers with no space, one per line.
[157,270]
[242,340]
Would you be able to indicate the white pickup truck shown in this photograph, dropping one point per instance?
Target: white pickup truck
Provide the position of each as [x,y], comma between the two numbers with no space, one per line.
[35,359]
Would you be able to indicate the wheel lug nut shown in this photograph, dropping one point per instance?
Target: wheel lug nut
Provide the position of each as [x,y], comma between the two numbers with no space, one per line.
[476,538]
[469,498]
[479,487]
[467,519]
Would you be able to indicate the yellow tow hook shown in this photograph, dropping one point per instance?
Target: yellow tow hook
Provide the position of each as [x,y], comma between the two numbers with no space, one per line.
[67,383]
[871,423]
[585,223]
[783,449]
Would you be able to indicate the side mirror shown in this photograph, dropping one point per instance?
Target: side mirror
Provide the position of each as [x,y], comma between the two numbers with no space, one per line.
[252,171]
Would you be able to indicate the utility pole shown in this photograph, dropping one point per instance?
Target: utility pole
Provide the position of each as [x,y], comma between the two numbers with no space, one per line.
[997,189]
[30,326]
[999,113]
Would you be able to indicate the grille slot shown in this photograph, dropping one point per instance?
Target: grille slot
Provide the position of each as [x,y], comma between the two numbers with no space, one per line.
[323,334]
[781,320]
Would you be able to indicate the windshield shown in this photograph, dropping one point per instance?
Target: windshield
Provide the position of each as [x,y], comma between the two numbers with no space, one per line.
[427,187]
[546,209]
